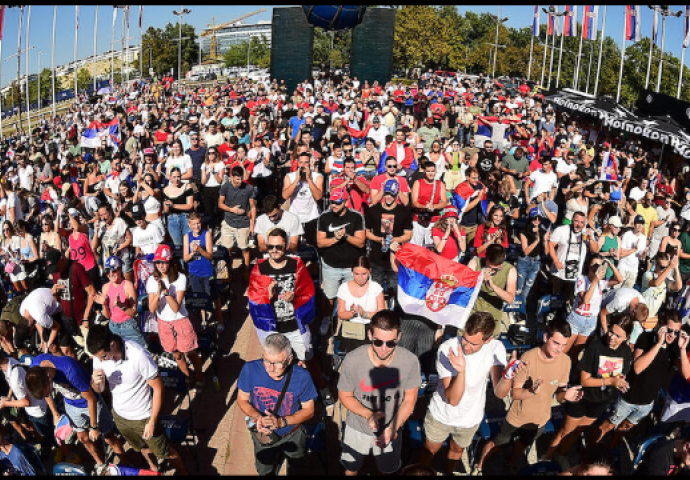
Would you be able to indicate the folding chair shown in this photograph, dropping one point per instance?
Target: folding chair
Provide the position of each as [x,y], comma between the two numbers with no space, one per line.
[489,428]
[179,430]
[642,449]
[541,469]
[175,380]
[63,469]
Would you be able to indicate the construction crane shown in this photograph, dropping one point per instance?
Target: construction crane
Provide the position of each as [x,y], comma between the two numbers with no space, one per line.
[214,28]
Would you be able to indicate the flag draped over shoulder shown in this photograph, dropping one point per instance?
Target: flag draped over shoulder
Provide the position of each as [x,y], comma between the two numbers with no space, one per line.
[435,287]
[92,136]
[260,307]
[463,194]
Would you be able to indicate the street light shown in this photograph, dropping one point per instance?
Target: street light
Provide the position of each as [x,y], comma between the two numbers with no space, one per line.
[150,49]
[499,21]
[664,11]
[39,81]
[180,14]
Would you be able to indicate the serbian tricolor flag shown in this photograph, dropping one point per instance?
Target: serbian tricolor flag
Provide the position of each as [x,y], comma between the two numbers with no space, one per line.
[655,27]
[609,167]
[632,23]
[92,136]
[550,29]
[589,22]
[435,287]
[463,195]
[570,20]
[261,308]
[535,22]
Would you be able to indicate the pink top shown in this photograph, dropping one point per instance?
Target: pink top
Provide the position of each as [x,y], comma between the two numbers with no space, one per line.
[80,251]
[117,315]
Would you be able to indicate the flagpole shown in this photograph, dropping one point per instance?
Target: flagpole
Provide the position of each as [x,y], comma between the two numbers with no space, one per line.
[553,46]
[579,51]
[601,50]
[531,52]
[19,68]
[560,53]
[141,42]
[620,72]
[661,54]
[112,50]
[651,51]
[52,59]
[95,48]
[28,104]
[589,68]
[543,63]
[1,28]
[76,40]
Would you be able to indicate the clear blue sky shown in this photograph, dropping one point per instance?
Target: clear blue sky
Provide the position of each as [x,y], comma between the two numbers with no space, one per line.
[158,16]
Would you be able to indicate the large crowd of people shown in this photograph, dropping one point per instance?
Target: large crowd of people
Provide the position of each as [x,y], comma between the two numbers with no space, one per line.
[314,191]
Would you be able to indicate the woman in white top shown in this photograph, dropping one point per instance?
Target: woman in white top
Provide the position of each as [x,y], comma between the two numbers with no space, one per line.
[360,298]
[212,171]
[177,158]
[577,202]
[166,289]
[150,196]
[589,293]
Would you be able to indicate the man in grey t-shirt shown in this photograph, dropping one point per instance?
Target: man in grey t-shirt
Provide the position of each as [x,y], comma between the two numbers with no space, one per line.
[517,166]
[237,200]
[378,385]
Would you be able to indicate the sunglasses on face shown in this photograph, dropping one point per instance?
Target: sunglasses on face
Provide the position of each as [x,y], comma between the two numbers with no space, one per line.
[280,248]
[391,166]
[379,343]
[672,332]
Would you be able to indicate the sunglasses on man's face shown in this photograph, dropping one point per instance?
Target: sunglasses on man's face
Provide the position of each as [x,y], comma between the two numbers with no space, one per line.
[379,343]
[280,248]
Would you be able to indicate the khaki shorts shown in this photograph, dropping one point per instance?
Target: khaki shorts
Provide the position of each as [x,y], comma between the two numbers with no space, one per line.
[231,235]
[133,431]
[437,432]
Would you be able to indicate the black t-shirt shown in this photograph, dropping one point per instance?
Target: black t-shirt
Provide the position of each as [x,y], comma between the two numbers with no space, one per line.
[342,254]
[531,236]
[381,221]
[659,461]
[645,385]
[321,123]
[198,156]
[565,182]
[600,361]
[485,163]
[285,279]
[590,171]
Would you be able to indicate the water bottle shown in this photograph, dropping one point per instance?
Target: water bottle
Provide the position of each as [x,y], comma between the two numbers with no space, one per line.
[216,383]
[386,243]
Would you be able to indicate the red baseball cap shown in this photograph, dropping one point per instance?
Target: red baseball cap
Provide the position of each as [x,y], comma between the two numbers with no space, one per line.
[339,195]
[163,254]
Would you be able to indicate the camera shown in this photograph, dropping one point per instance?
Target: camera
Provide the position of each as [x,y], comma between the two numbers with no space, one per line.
[571,269]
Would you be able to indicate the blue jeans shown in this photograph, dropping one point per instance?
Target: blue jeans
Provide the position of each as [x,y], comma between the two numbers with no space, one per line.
[128,330]
[527,269]
[178,227]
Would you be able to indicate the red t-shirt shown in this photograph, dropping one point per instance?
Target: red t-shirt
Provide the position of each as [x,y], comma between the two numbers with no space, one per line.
[479,238]
[450,250]
[77,289]
[161,136]
[357,197]
[227,153]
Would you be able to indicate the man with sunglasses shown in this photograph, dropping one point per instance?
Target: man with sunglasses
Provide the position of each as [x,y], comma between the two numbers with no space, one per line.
[378,386]
[198,155]
[655,355]
[465,364]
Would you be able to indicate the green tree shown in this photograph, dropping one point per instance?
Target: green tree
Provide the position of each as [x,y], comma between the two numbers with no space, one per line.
[162,43]
[339,54]
[84,79]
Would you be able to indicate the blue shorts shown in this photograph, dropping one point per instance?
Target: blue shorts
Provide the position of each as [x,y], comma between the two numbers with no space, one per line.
[633,413]
[80,420]
[203,285]
[333,278]
[581,325]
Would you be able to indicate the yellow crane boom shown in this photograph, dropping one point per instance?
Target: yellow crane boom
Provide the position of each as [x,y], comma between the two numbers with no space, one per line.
[212,31]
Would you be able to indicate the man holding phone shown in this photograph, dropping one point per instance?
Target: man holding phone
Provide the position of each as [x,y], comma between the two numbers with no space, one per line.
[304,188]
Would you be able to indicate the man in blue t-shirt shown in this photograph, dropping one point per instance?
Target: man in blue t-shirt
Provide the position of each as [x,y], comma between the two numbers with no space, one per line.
[86,410]
[260,384]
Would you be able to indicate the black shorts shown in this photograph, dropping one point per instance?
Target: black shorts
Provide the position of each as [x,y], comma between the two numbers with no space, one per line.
[525,434]
[585,409]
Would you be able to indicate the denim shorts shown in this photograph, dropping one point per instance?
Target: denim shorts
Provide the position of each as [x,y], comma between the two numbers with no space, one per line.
[634,413]
[333,278]
[581,325]
[79,417]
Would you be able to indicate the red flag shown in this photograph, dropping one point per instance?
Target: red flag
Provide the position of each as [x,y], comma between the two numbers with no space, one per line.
[2,19]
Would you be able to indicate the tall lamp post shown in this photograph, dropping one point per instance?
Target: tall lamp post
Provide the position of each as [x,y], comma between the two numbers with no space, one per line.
[664,12]
[179,15]
[499,21]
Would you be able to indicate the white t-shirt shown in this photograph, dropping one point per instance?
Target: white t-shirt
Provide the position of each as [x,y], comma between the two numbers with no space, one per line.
[564,168]
[147,240]
[164,312]
[113,183]
[289,222]
[592,308]
[470,411]
[13,202]
[183,162]
[213,140]
[212,170]
[542,182]
[636,194]
[16,379]
[367,301]
[113,236]
[379,135]
[563,237]
[26,177]
[127,378]
[41,305]
[618,300]
[302,202]
[631,240]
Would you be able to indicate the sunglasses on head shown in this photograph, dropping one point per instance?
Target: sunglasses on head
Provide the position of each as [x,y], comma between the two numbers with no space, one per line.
[379,343]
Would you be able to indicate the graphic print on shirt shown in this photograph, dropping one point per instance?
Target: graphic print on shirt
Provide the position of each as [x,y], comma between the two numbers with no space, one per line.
[66,292]
[266,398]
[284,310]
[387,223]
[610,367]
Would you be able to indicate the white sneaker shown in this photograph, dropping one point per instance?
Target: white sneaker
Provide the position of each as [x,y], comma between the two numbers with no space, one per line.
[476,472]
